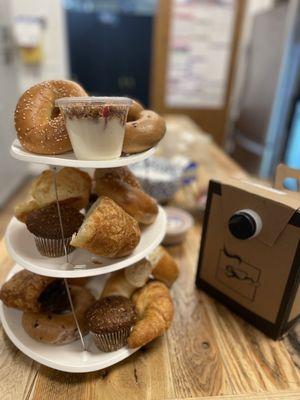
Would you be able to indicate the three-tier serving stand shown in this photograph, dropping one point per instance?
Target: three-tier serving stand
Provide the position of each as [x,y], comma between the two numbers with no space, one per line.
[81,355]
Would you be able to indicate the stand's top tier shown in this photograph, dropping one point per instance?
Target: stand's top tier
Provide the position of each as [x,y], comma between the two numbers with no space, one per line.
[69,159]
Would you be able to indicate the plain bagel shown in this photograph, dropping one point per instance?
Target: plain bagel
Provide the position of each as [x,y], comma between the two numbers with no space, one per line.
[39,124]
[52,328]
[143,129]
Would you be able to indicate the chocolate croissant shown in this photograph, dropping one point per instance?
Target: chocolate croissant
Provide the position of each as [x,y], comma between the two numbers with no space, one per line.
[23,290]
[31,292]
[154,307]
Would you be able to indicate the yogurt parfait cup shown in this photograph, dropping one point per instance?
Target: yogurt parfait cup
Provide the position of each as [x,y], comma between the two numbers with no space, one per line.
[95,125]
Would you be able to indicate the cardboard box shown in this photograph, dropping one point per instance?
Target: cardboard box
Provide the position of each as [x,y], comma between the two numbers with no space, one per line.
[250,253]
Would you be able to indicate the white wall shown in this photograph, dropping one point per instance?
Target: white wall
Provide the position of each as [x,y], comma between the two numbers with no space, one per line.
[12,172]
[16,77]
[252,8]
[55,62]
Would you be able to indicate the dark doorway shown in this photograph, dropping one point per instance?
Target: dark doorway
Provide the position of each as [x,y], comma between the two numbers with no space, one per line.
[110,53]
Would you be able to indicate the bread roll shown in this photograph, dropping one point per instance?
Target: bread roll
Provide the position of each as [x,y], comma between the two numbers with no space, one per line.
[121,173]
[108,230]
[126,281]
[78,281]
[164,267]
[117,285]
[72,184]
[73,188]
[22,210]
[122,186]
[138,274]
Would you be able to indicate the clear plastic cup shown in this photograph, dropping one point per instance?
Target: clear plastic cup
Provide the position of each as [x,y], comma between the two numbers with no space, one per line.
[96,125]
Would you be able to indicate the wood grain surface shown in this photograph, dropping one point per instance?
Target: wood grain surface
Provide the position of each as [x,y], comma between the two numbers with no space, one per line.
[208,351]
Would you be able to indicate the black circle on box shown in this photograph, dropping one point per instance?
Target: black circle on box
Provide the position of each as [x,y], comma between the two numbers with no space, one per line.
[242,225]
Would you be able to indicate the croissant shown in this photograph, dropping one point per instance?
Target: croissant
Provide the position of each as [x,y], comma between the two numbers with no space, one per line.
[126,281]
[154,307]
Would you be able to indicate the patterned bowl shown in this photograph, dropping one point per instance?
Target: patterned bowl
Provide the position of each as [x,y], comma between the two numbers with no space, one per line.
[159,177]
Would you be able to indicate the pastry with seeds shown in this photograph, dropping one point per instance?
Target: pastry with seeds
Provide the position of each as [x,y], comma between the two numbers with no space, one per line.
[107,230]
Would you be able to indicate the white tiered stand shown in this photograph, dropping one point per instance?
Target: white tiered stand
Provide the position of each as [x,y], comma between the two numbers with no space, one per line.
[21,247]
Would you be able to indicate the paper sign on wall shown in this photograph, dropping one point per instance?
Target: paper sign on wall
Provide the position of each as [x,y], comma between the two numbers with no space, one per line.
[199,54]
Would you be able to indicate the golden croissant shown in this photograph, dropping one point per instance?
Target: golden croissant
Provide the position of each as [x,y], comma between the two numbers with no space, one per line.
[154,307]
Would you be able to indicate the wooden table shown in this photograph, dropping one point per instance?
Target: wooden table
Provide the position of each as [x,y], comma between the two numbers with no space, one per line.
[207,352]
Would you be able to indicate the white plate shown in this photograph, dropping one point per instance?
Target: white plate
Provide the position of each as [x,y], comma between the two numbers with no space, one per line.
[69,159]
[69,357]
[21,246]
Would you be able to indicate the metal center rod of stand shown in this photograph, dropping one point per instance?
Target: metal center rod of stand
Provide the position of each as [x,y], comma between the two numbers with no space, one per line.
[54,170]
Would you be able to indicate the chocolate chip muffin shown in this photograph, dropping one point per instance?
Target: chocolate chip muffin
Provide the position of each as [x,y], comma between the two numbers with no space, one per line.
[45,226]
[110,321]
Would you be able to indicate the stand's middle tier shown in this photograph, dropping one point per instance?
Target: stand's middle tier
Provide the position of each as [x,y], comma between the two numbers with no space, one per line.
[21,247]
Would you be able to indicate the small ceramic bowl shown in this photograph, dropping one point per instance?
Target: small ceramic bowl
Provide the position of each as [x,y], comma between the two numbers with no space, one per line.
[179,223]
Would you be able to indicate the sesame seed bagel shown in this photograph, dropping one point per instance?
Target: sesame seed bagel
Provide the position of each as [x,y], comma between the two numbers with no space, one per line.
[39,124]
[143,129]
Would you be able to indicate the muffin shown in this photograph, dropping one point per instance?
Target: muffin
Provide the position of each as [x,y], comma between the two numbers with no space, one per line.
[110,321]
[45,226]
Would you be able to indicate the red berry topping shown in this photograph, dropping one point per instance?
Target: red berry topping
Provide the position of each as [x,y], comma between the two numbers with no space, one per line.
[105,112]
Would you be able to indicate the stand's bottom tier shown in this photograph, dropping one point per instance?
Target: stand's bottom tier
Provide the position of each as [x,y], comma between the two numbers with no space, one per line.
[68,358]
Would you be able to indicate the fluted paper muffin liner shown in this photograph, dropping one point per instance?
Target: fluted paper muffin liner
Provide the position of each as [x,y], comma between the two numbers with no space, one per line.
[111,341]
[53,247]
